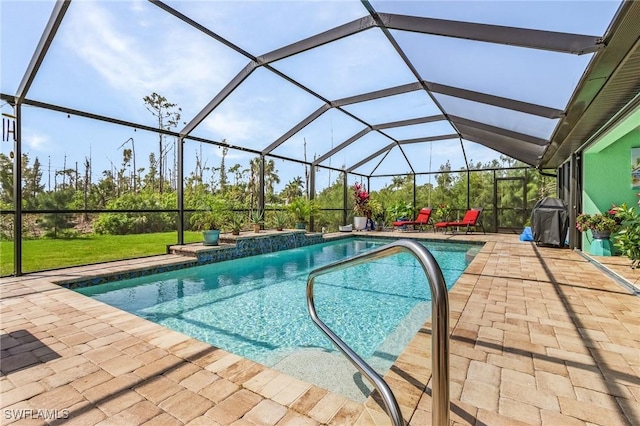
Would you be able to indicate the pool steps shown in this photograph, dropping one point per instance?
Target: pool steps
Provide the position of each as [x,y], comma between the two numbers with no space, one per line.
[440,329]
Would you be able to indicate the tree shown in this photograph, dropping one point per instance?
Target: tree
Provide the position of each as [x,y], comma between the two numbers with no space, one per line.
[292,190]
[6,179]
[168,117]
[149,181]
[132,153]
[238,173]
[223,169]
[270,179]
[31,177]
[56,224]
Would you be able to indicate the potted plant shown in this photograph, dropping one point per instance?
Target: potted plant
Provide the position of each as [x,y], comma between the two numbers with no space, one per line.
[209,219]
[361,209]
[377,213]
[280,219]
[256,219]
[301,208]
[236,222]
[601,225]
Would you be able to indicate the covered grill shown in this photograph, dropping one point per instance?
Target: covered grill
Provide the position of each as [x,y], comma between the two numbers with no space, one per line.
[550,222]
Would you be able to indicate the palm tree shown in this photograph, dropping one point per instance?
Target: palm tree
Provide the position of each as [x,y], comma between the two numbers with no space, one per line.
[270,178]
[292,190]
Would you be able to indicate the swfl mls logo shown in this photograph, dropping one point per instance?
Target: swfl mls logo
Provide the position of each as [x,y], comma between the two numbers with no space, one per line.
[8,128]
[26,413]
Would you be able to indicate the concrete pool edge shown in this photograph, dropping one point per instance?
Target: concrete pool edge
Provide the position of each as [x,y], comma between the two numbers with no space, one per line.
[420,344]
[197,254]
[343,411]
[525,320]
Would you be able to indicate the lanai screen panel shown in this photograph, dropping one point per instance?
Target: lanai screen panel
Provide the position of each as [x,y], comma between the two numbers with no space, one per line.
[414,104]
[64,144]
[15,57]
[529,75]
[423,130]
[328,178]
[479,156]
[146,49]
[579,17]
[357,64]
[107,56]
[259,27]
[516,121]
[319,136]
[429,156]
[357,150]
[258,112]
[394,163]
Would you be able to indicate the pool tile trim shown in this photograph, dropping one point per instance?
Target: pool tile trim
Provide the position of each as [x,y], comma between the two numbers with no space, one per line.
[229,249]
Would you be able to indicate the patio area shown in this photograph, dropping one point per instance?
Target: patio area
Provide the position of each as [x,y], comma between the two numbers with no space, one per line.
[538,336]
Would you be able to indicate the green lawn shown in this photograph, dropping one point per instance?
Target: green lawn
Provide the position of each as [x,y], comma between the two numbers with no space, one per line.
[38,255]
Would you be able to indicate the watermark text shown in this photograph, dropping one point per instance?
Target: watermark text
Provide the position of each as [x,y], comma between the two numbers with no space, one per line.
[29,413]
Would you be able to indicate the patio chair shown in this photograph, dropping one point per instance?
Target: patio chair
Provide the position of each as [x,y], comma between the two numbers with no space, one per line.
[471,219]
[423,219]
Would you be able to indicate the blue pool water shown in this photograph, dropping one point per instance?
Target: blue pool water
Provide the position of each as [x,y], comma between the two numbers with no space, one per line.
[256,306]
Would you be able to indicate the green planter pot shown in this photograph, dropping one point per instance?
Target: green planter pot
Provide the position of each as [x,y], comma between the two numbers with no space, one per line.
[601,245]
[211,237]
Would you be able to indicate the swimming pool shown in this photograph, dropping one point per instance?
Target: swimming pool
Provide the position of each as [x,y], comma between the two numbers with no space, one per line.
[255,307]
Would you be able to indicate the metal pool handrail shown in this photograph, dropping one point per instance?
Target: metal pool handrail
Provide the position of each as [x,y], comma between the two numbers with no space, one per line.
[440,325]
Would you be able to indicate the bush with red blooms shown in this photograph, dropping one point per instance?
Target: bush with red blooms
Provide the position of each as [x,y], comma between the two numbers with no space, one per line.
[360,200]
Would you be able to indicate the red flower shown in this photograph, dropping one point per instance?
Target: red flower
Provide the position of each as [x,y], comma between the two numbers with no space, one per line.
[360,200]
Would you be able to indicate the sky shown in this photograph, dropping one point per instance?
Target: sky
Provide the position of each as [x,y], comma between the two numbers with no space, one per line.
[108,55]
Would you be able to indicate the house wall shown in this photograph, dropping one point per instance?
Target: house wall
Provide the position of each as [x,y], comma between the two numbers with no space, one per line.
[607,170]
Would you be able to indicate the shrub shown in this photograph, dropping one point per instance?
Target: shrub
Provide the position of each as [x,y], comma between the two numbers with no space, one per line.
[136,223]
[628,238]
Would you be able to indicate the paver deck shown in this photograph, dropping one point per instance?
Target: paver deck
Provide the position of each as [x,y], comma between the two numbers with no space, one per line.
[538,336]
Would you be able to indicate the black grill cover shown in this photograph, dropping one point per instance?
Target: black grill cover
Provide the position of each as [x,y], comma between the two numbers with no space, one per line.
[550,222]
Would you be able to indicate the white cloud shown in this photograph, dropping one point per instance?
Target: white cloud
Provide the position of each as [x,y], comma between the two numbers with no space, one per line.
[233,127]
[36,141]
[138,55]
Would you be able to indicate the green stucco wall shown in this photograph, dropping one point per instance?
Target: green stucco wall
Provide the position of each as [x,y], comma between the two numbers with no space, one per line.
[606,170]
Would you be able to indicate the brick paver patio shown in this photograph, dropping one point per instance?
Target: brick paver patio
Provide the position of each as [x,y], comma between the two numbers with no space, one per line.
[538,336]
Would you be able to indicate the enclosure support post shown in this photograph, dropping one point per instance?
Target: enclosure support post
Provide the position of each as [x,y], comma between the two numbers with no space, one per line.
[525,216]
[17,192]
[312,194]
[344,197]
[414,194]
[468,189]
[260,205]
[573,201]
[180,188]
[495,203]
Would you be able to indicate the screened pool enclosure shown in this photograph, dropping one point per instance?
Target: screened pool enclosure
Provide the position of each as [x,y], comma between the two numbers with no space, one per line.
[128,117]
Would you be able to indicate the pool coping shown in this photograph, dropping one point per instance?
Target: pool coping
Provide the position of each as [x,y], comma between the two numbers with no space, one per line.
[545,326]
[373,405]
